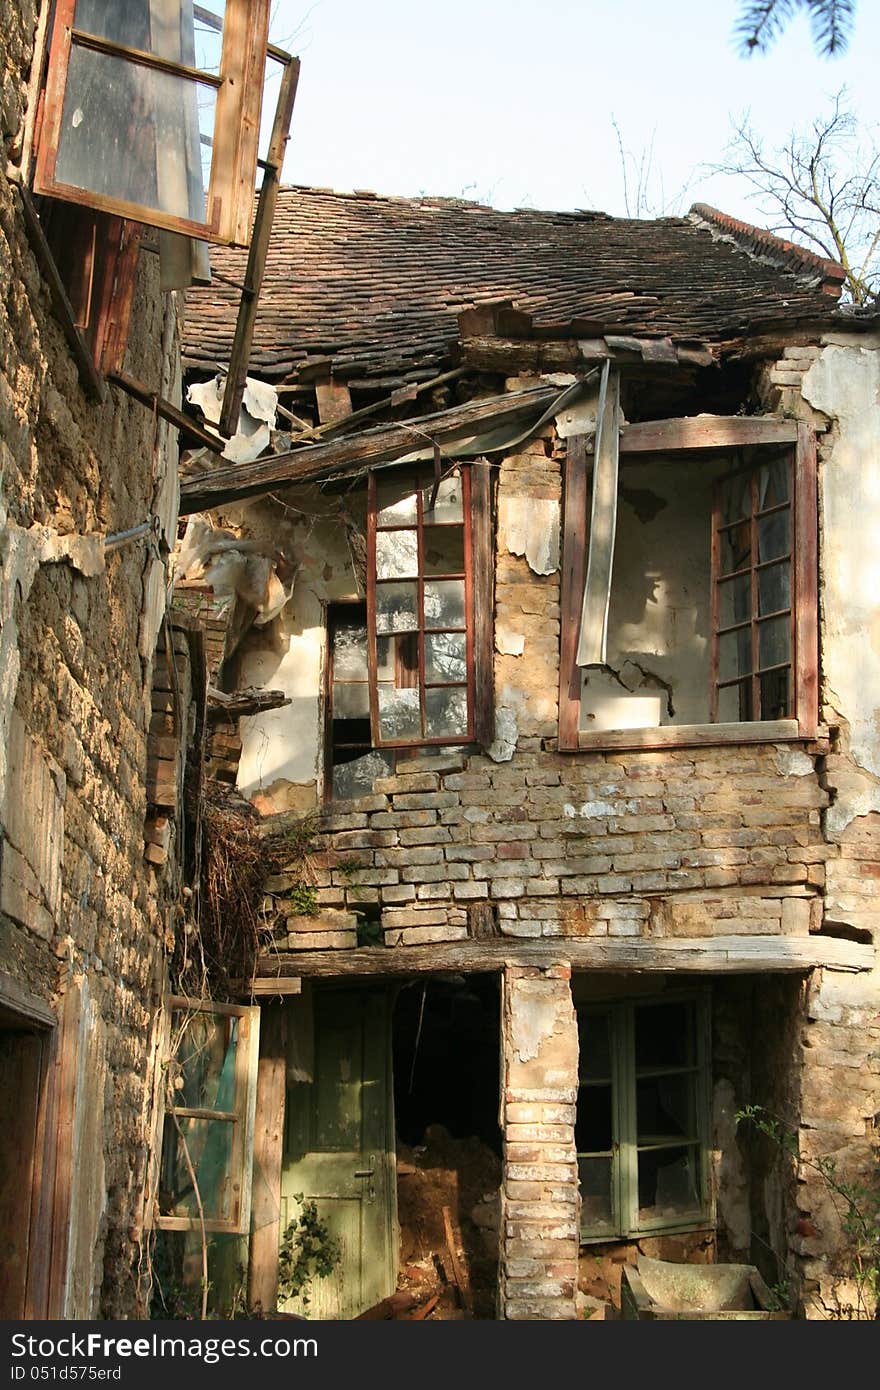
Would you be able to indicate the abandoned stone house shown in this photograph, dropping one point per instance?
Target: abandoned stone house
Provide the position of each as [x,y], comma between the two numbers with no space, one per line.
[568,613]
[523,612]
[103,185]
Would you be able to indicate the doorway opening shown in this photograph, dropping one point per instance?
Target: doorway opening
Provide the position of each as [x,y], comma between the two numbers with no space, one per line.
[446,1062]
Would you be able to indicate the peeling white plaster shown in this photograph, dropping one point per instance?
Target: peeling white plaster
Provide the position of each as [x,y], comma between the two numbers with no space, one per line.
[529,526]
[594,810]
[533,1020]
[792,762]
[503,746]
[844,383]
[508,642]
[282,743]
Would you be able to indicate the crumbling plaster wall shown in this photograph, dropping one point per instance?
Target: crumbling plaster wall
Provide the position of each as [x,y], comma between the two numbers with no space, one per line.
[77,635]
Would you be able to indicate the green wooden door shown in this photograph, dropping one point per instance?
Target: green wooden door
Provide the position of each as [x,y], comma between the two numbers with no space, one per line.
[339,1151]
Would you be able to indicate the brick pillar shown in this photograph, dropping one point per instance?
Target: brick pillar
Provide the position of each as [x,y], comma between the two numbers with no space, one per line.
[540,1201]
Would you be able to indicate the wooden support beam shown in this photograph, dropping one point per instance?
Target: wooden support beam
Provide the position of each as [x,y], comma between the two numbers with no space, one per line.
[351,455]
[706,432]
[704,955]
[268,1146]
[153,401]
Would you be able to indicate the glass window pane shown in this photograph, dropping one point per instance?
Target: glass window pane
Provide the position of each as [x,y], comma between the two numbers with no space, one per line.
[664,1035]
[773,484]
[444,603]
[774,642]
[593,1130]
[774,535]
[396,608]
[351,700]
[385,658]
[395,501]
[446,713]
[204,1051]
[444,549]
[356,778]
[350,650]
[445,656]
[776,694]
[594,1037]
[735,600]
[448,508]
[669,1183]
[734,654]
[208,1144]
[132,133]
[735,703]
[736,498]
[594,1175]
[397,554]
[665,1108]
[399,714]
[736,548]
[128,23]
[774,588]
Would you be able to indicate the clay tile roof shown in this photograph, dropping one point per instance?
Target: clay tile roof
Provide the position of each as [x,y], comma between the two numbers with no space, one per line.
[374,285]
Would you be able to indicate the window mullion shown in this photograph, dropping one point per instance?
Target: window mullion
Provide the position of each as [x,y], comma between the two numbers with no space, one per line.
[372,663]
[420,604]
[625,1090]
[753,588]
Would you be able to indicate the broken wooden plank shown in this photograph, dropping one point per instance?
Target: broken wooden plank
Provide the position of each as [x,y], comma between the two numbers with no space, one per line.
[239,703]
[153,401]
[457,1271]
[697,955]
[426,1309]
[353,454]
[391,1307]
[268,1146]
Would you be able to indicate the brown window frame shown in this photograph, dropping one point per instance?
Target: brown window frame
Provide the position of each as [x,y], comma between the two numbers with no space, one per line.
[239,87]
[476,512]
[691,438]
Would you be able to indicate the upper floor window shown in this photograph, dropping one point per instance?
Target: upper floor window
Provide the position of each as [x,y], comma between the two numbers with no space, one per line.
[151,111]
[429,607]
[711,598]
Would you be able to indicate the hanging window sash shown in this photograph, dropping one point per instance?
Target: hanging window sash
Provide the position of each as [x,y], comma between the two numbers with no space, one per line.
[210,1108]
[152,114]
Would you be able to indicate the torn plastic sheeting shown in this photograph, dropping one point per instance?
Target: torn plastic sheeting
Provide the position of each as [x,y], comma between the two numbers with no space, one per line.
[593,639]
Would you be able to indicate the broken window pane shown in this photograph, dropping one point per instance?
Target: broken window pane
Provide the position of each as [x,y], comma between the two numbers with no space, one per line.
[446,712]
[350,650]
[776,694]
[664,1035]
[395,502]
[397,554]
[444,550]
[205,1047]
[397,608]
[351,700]
[736,499]
[735,600]
[736,548]
[594,1130]
[445,656]
[664,1108]
[773,484]
[669,1183]
[207,1145]
[444,603]
[448,507]
[735,702]
[399,713]
[595,1050]
[356,778]
[774,642]
[594,1175]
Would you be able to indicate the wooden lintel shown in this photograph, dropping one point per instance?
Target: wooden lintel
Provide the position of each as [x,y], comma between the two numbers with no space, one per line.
[695,955]
[349,455]
[695,735]
[713,432]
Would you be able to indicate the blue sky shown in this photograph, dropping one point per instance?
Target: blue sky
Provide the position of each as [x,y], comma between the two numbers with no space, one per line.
[512,103]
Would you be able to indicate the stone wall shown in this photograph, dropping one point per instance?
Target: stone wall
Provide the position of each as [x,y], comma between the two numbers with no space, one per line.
[78,915]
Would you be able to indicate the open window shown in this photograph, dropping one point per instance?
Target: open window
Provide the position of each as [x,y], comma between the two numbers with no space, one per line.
[642,1122]
[429,645]
[207,1141]
[712,603]
[151,111]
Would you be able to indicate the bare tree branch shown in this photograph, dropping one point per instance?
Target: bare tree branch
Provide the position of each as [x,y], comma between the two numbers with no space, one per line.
[822,187]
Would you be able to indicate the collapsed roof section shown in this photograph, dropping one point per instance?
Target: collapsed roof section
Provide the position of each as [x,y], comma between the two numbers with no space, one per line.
[370,290]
